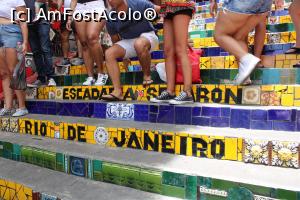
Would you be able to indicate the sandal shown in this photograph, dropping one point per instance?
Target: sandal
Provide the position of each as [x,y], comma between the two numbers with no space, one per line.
[293,50]
[111,97]
[297,65]
[147,82]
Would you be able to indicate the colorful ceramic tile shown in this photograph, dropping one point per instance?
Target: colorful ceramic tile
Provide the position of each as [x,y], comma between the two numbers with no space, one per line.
[251,95]
[31,93]
[119,111]
[14,125]
[256,151]
[285,154]
[59,93]
[101,135]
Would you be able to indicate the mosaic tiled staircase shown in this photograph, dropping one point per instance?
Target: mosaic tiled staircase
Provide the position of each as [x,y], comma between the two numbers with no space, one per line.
[236,142]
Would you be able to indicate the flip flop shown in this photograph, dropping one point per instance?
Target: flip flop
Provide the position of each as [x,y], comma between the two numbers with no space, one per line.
[147,82]
[297,65]
[296,51]
[111,98]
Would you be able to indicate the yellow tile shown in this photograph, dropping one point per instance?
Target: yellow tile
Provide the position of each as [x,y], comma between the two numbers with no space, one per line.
[287,99]
[231,148]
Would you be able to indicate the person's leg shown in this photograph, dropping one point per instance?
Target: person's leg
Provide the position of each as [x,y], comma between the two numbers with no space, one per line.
[169,51]
[65,42]
[111,55]
[43,30]
[181,44]
[6,77]
[231,31]
[227,25]
[36,49]
[142,47]
[11,61]
[93,33]
[295,15]
[259,39]
[79,47]
[81,29]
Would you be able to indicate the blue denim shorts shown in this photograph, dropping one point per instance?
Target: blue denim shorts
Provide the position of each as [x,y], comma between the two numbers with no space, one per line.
[248,6]
[10,35]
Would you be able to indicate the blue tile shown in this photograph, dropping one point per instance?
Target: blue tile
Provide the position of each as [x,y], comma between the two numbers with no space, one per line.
[294,115]
[219,122]
[211,111]
[153,118]
[165,107]
[279,114]
[99,110]
[284,126]
[196,111]
[166,116]
[154,108]
[225,112]
[141,118]
[262,125]
[183,115]
[298,124]
[51,111]
[201,121]
[259,114]
[240,118]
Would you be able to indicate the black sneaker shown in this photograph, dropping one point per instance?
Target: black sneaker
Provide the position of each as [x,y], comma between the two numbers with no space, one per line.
[182,98]
[163,97]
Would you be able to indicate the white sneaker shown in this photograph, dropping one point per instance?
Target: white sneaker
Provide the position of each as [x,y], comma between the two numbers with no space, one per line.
[89,81]
[102,79]
[5,112]
[20,112]
[246,67]
[51,82]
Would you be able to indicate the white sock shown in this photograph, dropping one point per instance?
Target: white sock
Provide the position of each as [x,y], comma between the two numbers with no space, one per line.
[247,59]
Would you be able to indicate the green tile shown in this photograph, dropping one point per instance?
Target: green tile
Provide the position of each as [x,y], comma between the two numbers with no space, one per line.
[60,162]
[173,191]
[151,176]
[49,160]
[239,193]
[204,181]
[175,179]
[191,187]
[223,185]
[26,154]
[286,195]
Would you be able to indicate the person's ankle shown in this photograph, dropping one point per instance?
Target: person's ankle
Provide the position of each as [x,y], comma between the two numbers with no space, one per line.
[117,92]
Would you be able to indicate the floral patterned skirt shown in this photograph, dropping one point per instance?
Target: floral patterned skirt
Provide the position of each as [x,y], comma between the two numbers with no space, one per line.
[173,6]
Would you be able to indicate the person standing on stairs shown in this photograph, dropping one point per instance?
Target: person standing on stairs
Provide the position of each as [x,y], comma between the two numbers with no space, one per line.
[12,36]
[88,32]
[177,15]
[295,14]
[234,22]
[40,44]
[65,34]
[131,38]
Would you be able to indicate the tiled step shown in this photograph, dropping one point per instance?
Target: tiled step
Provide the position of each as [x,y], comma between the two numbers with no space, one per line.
[264,95]
[271,38]
[198,32]
[214,62]
[256,118]
[213,143]
[261,76]
[169,174]
[176,173]
[13,190]
[60,185]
